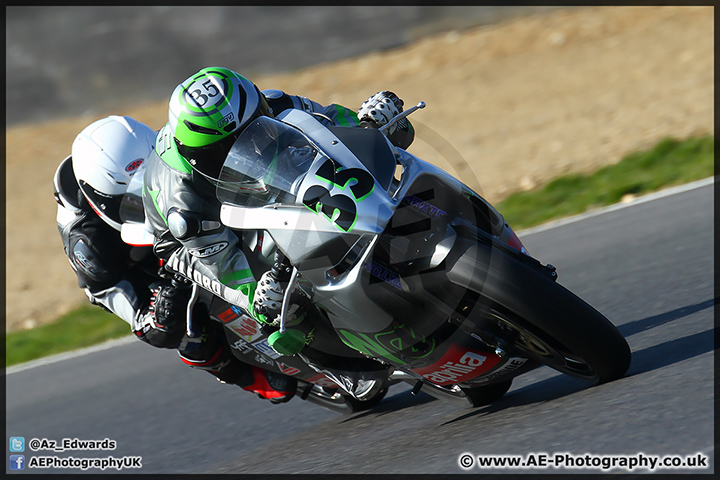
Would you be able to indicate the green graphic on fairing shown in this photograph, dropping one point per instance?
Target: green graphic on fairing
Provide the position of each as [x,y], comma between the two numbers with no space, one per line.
[399,345]
[361,183]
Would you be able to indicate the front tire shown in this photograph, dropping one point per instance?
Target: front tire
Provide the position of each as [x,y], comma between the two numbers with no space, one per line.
[544,319]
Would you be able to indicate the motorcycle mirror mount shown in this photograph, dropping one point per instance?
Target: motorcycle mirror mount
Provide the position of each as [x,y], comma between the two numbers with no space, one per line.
[401,115]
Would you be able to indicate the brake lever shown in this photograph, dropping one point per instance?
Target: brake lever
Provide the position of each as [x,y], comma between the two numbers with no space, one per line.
[286,298]
[401,115]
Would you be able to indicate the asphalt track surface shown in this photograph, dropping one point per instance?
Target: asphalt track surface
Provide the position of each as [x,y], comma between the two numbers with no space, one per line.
[648,268]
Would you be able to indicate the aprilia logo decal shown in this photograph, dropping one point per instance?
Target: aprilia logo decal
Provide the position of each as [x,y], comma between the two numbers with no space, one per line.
[457,366]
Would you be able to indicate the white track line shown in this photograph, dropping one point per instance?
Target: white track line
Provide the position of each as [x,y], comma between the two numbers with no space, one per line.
[541,228]
[72,354]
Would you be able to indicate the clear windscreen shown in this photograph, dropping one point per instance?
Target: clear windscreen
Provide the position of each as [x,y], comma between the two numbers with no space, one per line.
[265,165]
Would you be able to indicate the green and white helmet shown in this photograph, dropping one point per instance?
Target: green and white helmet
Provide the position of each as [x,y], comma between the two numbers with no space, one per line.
[208,111]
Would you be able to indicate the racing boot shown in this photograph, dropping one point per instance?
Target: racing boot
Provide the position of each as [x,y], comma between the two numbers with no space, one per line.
[206,353]
[273,386]
[276,387]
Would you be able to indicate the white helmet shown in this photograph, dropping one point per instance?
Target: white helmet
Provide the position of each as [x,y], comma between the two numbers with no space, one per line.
[105,155]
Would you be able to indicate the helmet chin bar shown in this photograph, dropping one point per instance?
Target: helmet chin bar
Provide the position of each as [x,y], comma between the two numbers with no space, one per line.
[112,203]
[214,181]
[215,152]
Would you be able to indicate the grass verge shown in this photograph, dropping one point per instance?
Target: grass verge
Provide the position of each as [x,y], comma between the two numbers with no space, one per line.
[86,326]
[671,162]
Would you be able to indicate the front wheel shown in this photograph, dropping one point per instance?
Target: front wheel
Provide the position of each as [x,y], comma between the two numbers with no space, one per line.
[532,313]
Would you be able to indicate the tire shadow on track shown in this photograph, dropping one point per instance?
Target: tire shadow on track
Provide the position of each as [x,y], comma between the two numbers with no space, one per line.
[644,324]
[674,351]
[393,404]
[543,391]
[643,361]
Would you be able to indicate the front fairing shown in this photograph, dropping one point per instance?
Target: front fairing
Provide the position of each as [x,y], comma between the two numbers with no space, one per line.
[370,244]
[312,195]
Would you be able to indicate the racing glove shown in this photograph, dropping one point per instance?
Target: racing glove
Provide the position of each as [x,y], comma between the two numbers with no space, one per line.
[380,109]
[269,299]
[163,323]
[268,296]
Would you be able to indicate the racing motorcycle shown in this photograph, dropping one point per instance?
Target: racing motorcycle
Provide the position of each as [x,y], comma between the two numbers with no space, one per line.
[405,274]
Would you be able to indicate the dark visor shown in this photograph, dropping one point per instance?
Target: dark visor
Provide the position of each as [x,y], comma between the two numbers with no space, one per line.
[107,204]
[210,158]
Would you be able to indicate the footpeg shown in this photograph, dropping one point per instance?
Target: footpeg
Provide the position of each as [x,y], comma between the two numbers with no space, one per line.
[416,388]
[551,271]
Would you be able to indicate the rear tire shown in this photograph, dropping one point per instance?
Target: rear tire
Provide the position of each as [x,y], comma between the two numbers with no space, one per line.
[362,405]
[486,394]
[333,399]
[557,327]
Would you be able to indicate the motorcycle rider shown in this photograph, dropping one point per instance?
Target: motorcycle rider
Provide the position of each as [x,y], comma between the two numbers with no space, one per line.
[123,279]
[88,188]
[207,112]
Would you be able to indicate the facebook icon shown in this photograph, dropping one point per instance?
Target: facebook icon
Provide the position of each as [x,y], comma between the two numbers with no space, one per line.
[17,462]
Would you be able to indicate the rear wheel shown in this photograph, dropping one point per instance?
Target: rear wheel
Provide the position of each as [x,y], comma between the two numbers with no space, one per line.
[486,394]
[362,405]
[333,399]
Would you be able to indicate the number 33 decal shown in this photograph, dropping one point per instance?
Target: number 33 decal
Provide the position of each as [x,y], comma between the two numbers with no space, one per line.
[340,208]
